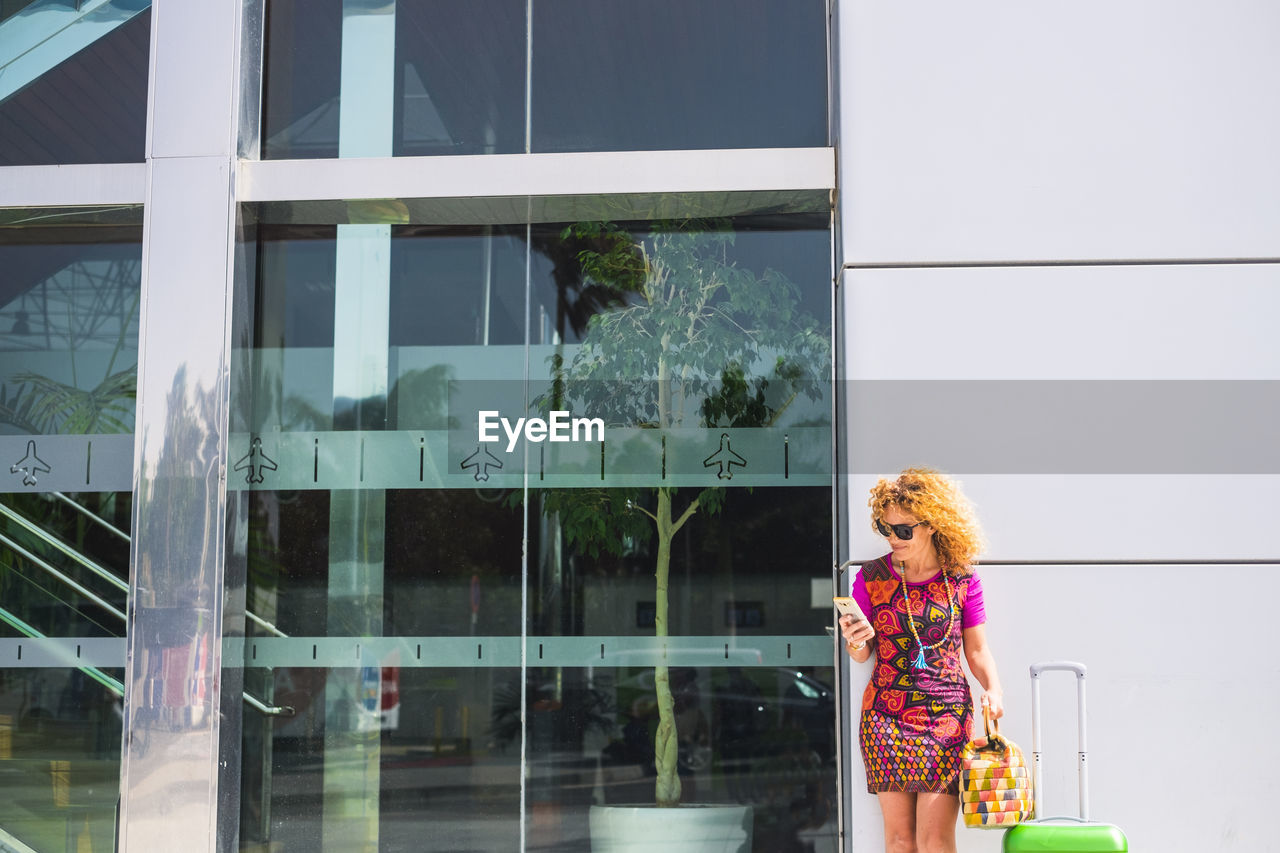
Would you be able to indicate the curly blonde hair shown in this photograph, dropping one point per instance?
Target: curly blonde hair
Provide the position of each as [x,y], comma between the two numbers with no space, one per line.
[936,499]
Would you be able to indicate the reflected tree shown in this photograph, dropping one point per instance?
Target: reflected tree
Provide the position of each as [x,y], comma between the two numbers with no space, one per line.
[694,340]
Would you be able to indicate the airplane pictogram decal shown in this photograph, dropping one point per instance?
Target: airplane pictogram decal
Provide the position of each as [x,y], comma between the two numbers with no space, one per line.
[725,458]
[255,462]
[482,460]
[30,465]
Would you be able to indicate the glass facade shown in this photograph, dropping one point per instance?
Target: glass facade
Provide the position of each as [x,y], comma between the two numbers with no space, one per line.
[68,361]
[430,631]
[471,583]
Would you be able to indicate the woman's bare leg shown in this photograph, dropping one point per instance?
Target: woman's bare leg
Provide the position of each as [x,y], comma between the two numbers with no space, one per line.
[936,822]
[899,811]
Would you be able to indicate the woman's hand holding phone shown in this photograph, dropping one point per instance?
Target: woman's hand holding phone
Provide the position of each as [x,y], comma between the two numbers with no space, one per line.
[856,632]
[854,627]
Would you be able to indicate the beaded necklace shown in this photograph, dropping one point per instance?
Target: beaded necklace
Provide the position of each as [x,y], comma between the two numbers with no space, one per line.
[921,648]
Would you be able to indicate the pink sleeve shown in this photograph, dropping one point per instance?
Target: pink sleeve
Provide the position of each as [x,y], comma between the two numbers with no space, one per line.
[974,612]
[860,595]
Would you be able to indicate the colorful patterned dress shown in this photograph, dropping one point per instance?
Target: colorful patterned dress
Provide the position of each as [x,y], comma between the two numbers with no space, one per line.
[915,722]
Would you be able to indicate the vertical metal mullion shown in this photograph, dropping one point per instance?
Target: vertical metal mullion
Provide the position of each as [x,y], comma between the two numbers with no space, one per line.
[840,502]
[524,536]
[528,77]
[176,566]
[172,745]
[844,673]
[246,121]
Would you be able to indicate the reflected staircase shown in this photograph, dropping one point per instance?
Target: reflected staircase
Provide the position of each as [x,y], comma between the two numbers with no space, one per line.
[11,521]
[82,595]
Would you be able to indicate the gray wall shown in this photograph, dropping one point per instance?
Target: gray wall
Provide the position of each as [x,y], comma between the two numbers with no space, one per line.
[1058,230]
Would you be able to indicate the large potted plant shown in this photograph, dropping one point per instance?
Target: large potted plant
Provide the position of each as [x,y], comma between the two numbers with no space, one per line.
[692,340]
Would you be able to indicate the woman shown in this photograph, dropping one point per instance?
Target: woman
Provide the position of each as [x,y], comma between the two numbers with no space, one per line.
[917,710]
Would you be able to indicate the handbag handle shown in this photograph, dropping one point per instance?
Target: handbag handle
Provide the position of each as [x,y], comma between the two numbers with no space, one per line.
[993,728]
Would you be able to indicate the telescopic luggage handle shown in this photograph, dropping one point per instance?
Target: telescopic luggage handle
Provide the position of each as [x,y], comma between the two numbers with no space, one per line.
[1036,670]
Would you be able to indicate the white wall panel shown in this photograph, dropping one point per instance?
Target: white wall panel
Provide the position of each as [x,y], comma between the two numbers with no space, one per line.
[1174,673]
[995,129]
[1092,517]
[1145,396]
[1074,403]
[1201,321]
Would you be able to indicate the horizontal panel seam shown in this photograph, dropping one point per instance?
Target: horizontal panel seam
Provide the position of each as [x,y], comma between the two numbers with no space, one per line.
[1078,262]
[1263,561]
[519,175]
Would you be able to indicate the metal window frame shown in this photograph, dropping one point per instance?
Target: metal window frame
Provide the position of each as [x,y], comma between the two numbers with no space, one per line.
[539,175]
[475,177]
[79,186]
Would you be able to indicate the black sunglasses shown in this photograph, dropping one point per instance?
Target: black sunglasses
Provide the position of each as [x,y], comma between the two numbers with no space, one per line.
[902,531]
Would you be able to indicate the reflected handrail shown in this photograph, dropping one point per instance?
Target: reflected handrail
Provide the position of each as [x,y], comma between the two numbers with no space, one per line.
[263,623]
[96,674]
[106,574]
[93,672]
[69,581]
[39,532]
[90,514]
[269,710]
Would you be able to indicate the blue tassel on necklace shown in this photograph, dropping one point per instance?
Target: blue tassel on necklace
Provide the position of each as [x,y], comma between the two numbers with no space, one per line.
[919,662]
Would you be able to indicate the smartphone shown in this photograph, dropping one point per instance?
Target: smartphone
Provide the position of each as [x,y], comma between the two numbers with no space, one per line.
[848,607]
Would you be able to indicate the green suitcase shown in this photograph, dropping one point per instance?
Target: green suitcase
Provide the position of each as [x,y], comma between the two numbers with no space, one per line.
[1054,837]
[1062,834]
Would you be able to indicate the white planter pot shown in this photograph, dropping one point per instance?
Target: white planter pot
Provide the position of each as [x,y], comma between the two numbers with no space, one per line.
[684,829]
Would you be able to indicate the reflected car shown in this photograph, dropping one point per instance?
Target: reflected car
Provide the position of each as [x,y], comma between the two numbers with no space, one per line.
[730,716]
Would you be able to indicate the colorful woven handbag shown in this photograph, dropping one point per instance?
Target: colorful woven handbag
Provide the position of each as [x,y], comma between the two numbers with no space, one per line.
[995,782]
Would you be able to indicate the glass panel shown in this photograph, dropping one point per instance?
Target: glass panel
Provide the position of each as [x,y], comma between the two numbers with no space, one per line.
[73,82]
[301,78]
[385,600]
[69,322]
[63,583]
[673,74]
[446,783]
[660,587]
[458,77]
[383,539]
[376,753]
[68,368]
[664,74]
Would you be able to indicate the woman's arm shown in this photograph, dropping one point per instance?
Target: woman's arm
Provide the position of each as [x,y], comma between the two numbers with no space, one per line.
[983,666]
[857,635]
